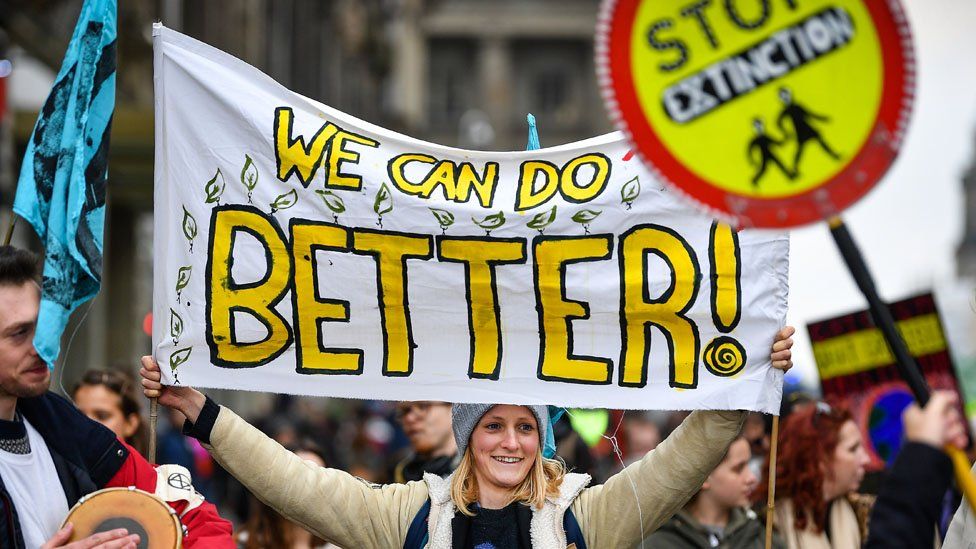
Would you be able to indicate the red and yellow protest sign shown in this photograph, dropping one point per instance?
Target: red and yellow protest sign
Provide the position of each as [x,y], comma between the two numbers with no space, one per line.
[857,369]
[774,112]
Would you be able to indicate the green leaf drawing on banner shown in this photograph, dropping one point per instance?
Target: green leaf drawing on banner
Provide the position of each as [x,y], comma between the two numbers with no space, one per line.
[542,220]
[332,201]
[249,176]
[284,201]
[179,357]
[383,202]
[215,187]
[491,222]
[175,325]
[189,227]
[586,216]
[183,277]
[630,191]
[444,218]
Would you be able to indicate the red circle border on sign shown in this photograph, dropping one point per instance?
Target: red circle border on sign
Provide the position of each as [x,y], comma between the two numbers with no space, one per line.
[860,174]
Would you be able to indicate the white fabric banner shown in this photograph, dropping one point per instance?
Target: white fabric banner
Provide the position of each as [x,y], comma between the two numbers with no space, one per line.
[300,250]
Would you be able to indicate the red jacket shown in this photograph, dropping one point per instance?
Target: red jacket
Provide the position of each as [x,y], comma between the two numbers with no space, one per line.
[89,457]
[203,527]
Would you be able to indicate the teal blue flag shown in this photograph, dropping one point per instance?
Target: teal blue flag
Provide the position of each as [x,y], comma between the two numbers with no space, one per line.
[61,190]
[532,143]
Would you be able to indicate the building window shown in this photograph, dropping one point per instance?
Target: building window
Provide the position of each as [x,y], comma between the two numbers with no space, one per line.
[451,77]
[551,91]
[552,80]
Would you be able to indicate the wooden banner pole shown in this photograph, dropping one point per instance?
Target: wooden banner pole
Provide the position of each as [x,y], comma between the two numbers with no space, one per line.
[153,415]
[771,499]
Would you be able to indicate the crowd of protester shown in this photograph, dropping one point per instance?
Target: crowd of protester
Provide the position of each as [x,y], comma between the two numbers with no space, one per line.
[820,467]
[384,442]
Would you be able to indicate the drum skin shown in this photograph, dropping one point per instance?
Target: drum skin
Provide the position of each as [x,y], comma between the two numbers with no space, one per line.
[137,511]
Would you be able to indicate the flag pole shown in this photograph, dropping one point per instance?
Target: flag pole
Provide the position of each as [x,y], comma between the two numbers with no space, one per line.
[904,360]
[10,229]
[153,415]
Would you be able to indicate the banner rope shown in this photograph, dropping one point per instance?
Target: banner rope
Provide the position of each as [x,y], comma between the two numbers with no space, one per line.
[615,446]
[67,348]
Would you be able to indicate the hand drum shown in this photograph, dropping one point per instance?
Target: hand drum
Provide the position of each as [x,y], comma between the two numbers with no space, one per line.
[137,511]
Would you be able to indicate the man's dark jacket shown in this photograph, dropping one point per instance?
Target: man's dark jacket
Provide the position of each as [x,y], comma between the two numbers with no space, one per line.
[910,500]
[86,455]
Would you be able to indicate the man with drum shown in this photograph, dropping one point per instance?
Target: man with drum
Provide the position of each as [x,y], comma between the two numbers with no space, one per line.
[51,455]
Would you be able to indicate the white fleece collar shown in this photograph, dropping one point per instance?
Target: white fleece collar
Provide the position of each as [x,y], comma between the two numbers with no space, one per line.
[545,528]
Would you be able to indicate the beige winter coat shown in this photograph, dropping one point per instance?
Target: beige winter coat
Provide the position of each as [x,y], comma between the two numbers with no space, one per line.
[354,513]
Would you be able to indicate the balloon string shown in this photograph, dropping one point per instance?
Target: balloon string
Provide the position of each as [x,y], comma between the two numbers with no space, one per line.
[615,446]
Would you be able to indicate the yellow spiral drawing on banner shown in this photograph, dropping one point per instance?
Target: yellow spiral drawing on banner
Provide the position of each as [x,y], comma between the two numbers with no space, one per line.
[724,356]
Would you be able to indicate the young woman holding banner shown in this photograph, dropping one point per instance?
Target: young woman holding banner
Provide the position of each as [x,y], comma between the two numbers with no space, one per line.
[504,493]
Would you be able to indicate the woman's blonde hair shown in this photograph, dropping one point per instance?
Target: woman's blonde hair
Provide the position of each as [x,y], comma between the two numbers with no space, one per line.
[544,479]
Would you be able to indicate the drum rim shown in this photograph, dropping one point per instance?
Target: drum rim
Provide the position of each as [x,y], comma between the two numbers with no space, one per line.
[92,495]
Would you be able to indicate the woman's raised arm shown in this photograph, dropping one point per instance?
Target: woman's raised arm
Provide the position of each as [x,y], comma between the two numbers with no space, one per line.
[328,502]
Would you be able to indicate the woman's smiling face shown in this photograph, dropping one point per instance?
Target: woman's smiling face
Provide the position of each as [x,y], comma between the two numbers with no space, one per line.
[505,445]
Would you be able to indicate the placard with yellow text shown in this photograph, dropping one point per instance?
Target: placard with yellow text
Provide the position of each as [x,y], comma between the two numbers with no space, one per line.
[300,250]
[858,372]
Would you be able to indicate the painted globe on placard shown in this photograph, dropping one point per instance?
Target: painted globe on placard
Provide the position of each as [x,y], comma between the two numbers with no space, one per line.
[884,422]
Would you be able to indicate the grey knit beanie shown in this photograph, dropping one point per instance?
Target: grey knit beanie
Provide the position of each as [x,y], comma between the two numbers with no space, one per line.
[467,416]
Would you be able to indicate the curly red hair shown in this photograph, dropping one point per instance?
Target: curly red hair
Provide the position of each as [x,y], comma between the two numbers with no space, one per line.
[807,441]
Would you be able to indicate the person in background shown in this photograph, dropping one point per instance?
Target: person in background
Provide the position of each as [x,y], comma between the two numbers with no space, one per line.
[718,515]
[910,500]
[177,448]
[821,463]
[52,455]
[642,433]
[110,398]
[266,528]
[427,425]
[571,448]
[756,431]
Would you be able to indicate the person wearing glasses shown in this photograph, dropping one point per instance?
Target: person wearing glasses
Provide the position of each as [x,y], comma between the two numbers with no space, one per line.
[820,465]
[427,425]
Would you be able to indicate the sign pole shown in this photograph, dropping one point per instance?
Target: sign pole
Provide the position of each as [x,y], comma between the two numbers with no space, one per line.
[680,126]
[771,499]
[904,360]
